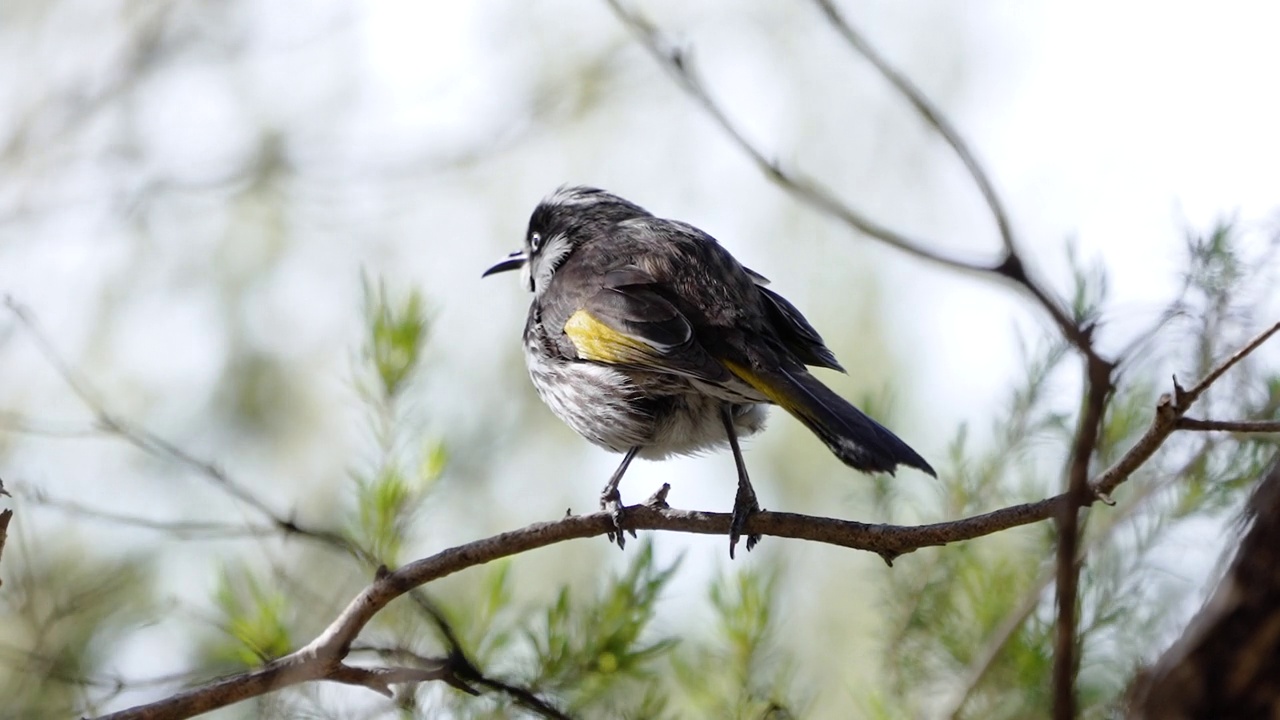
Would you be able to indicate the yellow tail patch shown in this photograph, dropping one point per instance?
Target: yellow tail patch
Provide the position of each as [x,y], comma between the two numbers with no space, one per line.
[598,342]
[777,396]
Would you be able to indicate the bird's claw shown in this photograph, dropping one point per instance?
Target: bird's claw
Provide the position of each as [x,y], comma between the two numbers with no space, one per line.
[744,506]
[611,502]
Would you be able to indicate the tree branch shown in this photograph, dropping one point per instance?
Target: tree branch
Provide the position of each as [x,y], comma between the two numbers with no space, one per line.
[1010,267]
[321,659]
[1099,388]
[930,113]
[807,190]
[1170,409]
[179,529]
[1235,426]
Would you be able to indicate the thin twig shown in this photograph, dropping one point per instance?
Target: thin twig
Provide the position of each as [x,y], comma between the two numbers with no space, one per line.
[1184,398]
[678,64]
[13,422]
[182,529]
[157,446]
[930,113]
[1169,410]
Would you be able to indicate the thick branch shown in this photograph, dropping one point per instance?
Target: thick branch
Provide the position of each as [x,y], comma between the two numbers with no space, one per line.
[321,659]
[1098,382]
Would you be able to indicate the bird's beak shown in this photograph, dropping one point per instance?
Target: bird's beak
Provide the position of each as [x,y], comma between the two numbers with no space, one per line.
[511,262]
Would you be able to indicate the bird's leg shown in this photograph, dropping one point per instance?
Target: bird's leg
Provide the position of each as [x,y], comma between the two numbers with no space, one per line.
[744,504]
[611,499]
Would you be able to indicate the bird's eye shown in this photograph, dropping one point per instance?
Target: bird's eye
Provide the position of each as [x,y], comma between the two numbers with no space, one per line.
[535,241]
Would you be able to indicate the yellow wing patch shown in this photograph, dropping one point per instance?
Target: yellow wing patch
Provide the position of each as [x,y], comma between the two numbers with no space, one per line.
[598,342]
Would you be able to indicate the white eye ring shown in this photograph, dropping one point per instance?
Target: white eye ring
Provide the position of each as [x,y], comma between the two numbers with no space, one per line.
[535,241]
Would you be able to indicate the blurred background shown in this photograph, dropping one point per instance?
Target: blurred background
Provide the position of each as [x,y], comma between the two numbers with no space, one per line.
[195,196]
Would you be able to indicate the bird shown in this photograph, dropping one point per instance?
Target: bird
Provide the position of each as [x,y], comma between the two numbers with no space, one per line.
[649,339]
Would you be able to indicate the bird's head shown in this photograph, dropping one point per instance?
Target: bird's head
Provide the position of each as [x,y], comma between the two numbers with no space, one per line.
[568,218]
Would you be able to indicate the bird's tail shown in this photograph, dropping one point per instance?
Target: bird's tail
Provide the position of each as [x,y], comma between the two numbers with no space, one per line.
[859,441]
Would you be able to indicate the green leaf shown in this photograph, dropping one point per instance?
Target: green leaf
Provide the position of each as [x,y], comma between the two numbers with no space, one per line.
[254,620]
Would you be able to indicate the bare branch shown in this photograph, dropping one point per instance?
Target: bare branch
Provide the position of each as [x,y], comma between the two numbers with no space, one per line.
[380,680]
[1184,398]
[321,658]
[1169,411]
[182,529]
[158,446]
[1235,426]
[1099,388]
[465,676]
[807,190]
[930,113]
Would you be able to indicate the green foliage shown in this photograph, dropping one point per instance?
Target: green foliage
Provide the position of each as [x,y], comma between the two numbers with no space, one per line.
[738,672]
[389,495]
[396,332]
[602,656]
[387,503]
[588,650]
[1089,287]
[255,621]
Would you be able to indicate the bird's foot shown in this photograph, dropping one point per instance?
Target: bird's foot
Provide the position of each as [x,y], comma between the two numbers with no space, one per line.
[744,506]
[611,502]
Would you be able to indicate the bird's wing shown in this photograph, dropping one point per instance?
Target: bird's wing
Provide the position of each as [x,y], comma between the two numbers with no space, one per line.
[738,302]
[795,332]
[627,322]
